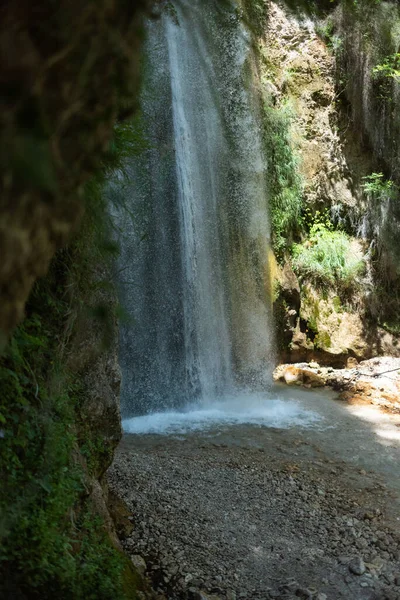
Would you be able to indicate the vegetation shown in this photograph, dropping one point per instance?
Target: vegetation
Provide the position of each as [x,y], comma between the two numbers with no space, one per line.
[52,542]
[327,258]
[390,67]
[377,187]
[285,182]
[49,543]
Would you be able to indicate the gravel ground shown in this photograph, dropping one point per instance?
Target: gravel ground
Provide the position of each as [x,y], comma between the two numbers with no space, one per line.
[251,512]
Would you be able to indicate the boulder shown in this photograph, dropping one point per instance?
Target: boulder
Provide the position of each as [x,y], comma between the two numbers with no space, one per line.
[296,375]
[292,375]
[312,379]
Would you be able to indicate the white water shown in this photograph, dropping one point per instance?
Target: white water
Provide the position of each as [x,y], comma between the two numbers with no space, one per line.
[199,143]
[236,409]
[194,274]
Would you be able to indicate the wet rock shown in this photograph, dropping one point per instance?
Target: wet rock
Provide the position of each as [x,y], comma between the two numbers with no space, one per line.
[296,375]
[290,288]
[292,375]
[313,379]
[357,566]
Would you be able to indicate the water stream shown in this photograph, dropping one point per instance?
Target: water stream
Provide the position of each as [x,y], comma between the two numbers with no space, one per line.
[193,270]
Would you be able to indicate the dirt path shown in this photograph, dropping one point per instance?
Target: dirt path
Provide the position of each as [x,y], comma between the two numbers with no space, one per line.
[245,511]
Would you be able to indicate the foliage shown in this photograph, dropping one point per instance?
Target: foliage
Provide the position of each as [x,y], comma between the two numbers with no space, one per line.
[39,483]
[285,182]
[326,258]
[100,570]
[43,551]
[390,67]
[377,187]
[51,544]
[326,30]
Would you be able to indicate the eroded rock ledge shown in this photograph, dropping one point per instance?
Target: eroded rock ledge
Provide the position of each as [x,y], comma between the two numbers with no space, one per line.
[375,381]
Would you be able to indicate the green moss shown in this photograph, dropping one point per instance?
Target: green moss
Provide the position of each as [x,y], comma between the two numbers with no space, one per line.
[310,310]
[337,304]
[323,340]
[97,451]
[101,572]
[256,15]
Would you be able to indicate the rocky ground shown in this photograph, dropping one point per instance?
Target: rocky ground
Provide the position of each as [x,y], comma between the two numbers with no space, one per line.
[375,381]
[256,512]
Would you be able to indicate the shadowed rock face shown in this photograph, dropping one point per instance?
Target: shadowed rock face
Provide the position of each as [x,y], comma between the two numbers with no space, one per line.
[69,70]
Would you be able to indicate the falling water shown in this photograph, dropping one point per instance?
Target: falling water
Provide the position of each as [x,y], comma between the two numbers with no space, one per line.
[193,271]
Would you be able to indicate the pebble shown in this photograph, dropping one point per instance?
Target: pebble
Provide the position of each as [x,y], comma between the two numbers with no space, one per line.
[357,566]
[232,523]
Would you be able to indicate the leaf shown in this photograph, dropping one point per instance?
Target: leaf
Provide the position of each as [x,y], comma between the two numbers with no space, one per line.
[46,486]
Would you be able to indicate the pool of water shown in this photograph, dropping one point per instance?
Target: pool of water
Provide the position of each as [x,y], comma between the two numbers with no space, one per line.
[280,408]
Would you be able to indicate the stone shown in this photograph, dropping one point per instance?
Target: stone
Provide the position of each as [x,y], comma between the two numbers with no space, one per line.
[139,563]
[292,375]
[200,595]
[290,288]
[311,378]
[303,593]
[352,363]
[357,566]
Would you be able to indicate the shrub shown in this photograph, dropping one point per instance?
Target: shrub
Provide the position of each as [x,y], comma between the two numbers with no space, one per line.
[377,187]
[327,259]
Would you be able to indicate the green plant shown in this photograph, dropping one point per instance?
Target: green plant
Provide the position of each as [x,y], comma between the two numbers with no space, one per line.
[327,259]
[284,179]
[377,187]
[390,67]
[326,30]
[51,544]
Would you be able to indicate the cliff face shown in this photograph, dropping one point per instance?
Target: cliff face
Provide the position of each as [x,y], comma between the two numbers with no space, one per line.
[60,425]
[334,145]
[67,75]
[369,64]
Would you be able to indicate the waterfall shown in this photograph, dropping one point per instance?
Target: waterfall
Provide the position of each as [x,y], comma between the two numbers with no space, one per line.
[193,270]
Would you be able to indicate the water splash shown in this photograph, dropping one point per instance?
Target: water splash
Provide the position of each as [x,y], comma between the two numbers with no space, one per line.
[236,409]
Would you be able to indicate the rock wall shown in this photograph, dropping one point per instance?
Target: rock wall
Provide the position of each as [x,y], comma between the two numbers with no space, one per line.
[306,69]
[68,72]
[370,36]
